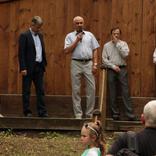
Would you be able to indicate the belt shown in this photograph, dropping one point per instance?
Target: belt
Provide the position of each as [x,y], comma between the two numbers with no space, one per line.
[122,66]
[82,60]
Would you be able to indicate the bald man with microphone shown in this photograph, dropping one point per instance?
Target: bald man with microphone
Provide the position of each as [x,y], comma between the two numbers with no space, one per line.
[83,48]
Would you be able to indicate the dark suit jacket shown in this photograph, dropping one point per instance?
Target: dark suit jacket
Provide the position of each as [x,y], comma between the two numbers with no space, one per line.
[27,52]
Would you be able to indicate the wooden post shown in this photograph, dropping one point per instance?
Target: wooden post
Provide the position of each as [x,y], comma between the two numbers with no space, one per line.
[102,95]
[154,49]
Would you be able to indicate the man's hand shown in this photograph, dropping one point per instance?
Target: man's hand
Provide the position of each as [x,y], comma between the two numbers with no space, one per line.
[24,72]
[71,48]
[114,39]
[80,36]
[117,69]
[94,68]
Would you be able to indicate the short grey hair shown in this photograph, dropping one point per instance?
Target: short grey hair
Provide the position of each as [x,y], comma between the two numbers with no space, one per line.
[37,20]
[150,114]
[77,18]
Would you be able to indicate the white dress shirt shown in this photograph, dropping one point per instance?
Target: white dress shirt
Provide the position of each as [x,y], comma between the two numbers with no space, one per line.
[38,46]
[154,56]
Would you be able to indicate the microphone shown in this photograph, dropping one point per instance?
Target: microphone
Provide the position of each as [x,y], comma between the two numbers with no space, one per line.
[78,32]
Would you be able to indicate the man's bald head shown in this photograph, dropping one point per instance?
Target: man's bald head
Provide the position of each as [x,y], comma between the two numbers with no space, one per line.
[78,22]
[78,18]
[150,114]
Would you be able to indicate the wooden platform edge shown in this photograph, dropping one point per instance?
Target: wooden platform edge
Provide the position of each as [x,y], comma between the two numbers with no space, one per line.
[113,125]
[36,123]
[70,124]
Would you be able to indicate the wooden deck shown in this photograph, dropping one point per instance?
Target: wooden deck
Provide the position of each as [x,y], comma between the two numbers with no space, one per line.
[35,123]
[112,125]
[60,115]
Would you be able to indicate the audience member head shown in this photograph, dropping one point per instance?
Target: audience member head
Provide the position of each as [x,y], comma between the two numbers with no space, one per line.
[92,136]
[115,33]
[149,114]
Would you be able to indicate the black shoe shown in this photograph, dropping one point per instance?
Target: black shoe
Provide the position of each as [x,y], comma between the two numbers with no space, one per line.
[89,116]
[43,115]
[133,118]
[28,115]
[116,117]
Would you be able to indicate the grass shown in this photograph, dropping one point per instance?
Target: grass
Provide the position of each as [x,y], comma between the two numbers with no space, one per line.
[41,143]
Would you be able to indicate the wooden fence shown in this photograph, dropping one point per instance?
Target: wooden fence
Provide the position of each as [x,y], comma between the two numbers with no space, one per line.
[134,17]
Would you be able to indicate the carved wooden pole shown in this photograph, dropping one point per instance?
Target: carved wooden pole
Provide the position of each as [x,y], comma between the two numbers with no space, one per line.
[100,113]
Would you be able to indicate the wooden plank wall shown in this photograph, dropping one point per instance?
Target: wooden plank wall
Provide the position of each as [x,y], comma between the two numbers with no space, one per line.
[135,17]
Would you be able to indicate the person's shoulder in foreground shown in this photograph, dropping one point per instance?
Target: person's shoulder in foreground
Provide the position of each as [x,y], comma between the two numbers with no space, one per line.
[146,138]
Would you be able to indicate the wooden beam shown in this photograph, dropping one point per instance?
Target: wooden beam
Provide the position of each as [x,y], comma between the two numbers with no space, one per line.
[36,123]
[114,125]
[6,1]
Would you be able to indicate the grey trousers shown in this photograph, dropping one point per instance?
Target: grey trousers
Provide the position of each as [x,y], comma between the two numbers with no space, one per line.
[122,79]
[77,70]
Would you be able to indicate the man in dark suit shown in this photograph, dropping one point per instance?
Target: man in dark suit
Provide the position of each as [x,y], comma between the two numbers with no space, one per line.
[32,61]
[144,141]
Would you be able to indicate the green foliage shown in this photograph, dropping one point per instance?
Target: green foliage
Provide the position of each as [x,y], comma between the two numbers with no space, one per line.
[6,133]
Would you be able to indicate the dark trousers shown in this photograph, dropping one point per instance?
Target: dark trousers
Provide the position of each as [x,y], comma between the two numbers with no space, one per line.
[37,78]
[122,79]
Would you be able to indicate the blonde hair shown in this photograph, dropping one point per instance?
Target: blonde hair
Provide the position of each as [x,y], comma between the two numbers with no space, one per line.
[95,129]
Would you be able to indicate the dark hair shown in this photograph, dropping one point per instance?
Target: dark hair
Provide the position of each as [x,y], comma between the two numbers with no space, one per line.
[114,28]
[95,128]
